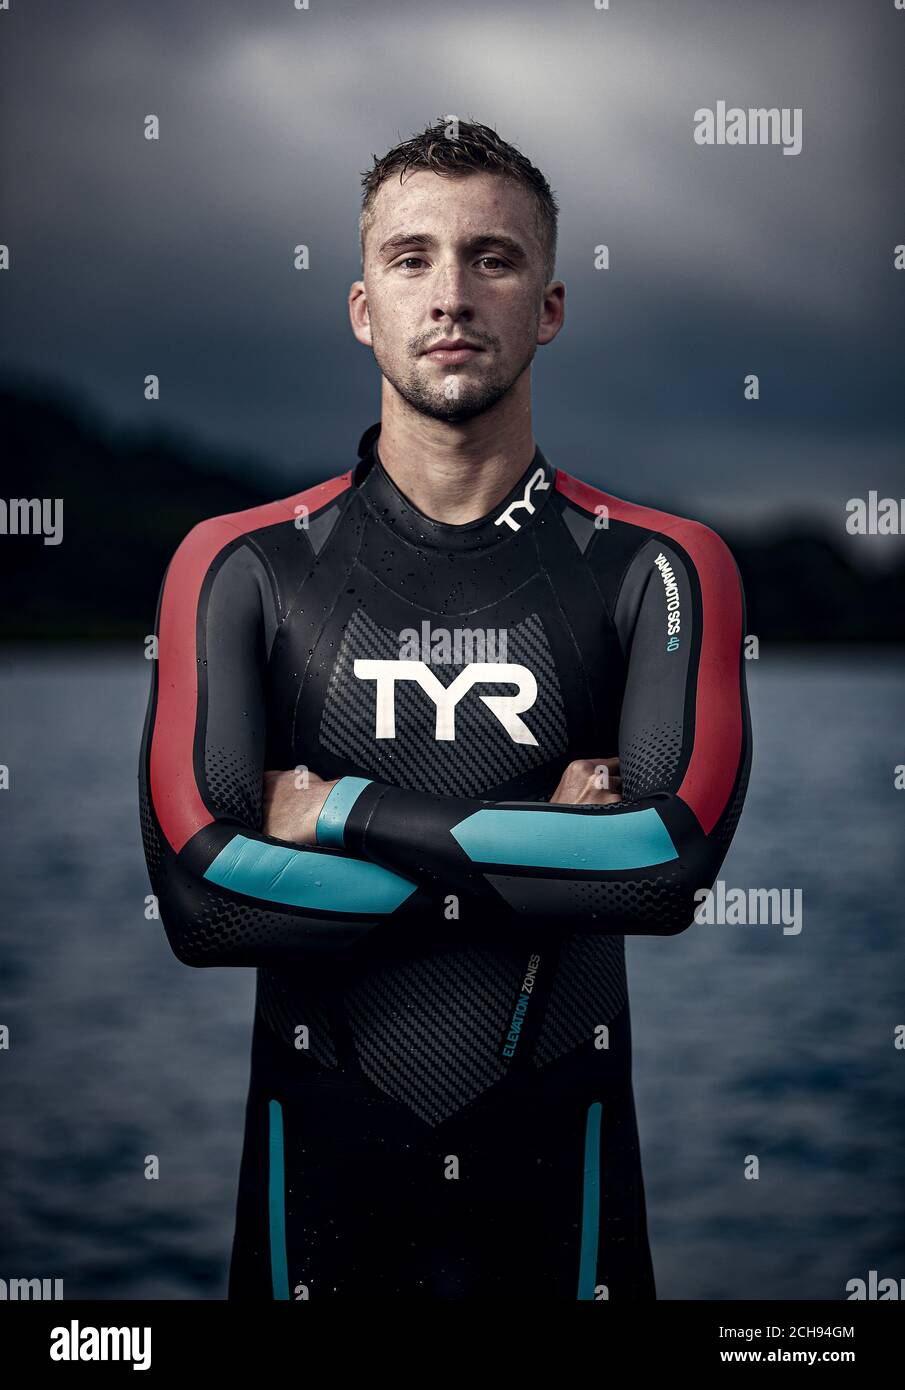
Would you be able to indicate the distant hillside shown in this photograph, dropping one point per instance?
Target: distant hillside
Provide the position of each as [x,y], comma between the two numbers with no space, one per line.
[129,499]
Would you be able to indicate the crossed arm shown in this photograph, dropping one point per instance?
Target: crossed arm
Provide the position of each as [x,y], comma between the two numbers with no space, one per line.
[247,871]
[292,807]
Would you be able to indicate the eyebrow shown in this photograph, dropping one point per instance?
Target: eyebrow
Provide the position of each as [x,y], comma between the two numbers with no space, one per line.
[413,240]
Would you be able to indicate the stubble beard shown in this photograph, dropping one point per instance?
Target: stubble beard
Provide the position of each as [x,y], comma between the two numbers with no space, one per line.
[468,399]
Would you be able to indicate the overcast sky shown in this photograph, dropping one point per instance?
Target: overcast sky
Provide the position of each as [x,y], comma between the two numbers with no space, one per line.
[175,256]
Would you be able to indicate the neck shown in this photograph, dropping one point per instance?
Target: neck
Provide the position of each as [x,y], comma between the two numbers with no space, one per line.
[455,472]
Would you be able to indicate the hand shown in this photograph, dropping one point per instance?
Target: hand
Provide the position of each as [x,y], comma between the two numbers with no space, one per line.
[589,780]
[291,809]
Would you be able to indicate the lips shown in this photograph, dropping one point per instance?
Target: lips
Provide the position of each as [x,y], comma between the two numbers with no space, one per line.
[450,352]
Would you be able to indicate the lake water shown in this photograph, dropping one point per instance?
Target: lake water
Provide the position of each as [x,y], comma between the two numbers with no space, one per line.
[747,1040]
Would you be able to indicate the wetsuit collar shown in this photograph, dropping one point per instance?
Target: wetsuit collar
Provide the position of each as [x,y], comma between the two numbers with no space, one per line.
[518,509]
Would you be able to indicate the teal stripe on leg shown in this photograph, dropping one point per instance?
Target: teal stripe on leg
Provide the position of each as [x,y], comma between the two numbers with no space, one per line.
[590,1211]
[277,1204]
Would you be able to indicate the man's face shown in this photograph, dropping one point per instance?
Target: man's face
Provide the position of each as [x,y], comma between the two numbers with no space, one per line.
[452,258]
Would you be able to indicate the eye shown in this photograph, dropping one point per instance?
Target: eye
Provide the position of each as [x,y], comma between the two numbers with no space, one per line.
[406,259]
[498,260]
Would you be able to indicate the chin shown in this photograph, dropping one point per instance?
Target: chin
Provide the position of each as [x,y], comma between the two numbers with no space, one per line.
[473,402]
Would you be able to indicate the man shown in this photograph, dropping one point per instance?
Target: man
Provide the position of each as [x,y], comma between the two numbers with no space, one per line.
[381,764]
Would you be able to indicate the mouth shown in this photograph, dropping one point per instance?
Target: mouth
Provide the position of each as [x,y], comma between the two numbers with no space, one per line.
[450,354]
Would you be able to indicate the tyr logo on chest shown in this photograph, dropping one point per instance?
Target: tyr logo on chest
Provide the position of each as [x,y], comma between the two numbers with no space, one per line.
[506,708]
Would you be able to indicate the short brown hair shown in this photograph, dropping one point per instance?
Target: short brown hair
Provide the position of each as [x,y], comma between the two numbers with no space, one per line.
[474,147]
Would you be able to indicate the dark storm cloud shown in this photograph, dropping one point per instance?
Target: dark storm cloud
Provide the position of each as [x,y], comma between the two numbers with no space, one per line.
[174,257]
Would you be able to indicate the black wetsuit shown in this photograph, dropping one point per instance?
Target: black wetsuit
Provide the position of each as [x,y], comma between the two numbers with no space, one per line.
[440,1102]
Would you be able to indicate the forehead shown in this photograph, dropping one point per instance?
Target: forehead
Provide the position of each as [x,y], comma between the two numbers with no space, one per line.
[460,205]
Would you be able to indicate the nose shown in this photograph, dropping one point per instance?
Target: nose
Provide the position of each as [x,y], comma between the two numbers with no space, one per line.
[451,297]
